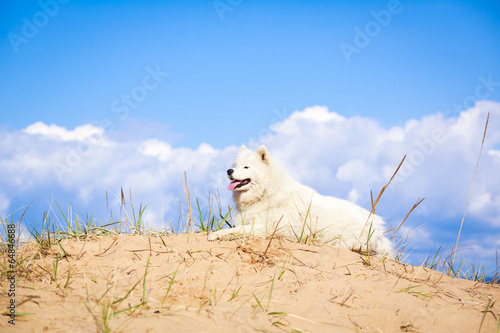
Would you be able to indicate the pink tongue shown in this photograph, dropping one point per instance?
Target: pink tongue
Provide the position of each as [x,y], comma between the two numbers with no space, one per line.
[232,185]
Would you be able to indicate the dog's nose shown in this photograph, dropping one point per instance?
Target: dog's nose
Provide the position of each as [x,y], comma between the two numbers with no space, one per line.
[230,172]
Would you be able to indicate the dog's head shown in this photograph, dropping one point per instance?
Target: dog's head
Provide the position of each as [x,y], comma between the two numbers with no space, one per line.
[250,170]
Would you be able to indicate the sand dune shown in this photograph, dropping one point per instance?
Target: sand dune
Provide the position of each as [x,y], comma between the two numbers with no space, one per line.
[193,285]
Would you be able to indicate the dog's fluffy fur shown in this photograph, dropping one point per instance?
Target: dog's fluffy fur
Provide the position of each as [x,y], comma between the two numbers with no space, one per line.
[265,195]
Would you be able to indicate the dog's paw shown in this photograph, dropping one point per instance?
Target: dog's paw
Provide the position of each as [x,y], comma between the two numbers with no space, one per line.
[213,236]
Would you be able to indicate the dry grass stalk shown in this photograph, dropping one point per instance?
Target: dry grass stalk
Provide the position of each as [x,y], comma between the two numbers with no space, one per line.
[374,204]
[470,191]
[188,204]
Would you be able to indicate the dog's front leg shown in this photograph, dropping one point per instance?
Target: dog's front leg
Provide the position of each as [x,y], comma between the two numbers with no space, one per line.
[256,229]
[221,233]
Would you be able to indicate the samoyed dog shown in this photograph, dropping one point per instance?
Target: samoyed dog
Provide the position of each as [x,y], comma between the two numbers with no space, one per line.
[269,201]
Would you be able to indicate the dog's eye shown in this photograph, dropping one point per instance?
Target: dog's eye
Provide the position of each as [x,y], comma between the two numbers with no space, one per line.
[245,167]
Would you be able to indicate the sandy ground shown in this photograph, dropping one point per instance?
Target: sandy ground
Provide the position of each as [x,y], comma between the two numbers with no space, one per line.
[193,285]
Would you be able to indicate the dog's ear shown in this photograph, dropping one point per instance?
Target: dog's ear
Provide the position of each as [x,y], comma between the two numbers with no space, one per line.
[263,153]
[243,148]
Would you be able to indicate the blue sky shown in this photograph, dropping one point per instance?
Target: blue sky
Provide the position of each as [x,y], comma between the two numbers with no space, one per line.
[260,56]
[182,81]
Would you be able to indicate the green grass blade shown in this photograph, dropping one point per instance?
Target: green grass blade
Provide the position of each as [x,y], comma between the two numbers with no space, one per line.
[305,222]
[170,286]
[202,222]
[485,312]
[224,219]
[144,282]
[270,293]
[258,303]
[118,302]
[139,221]
[135,307]
[68,224]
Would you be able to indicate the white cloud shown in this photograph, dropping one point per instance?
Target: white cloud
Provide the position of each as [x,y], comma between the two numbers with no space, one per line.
[358,173]
[495,153]
[156,148]
[81,133]
[343,157]
[317,114]
[341,154]
[417,237]
[51,160]
[4,205]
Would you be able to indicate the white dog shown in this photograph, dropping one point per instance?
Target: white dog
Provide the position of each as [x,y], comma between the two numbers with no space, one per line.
[268,199]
